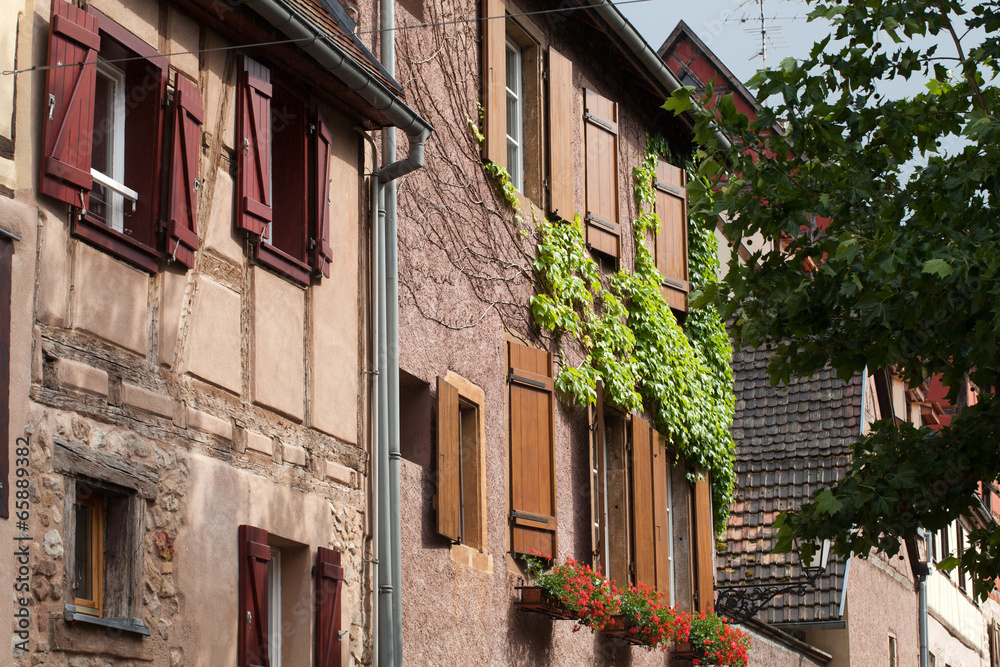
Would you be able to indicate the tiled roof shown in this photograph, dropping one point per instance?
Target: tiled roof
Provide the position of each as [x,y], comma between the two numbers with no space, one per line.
[790,441]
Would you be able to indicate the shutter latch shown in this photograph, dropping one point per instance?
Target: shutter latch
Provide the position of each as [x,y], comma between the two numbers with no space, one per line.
[249,617]
[197,184]
[246,146]
[52,105]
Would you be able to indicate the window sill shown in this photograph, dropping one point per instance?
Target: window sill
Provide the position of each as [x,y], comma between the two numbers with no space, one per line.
[117,244]
[283,263]
[472,557]
[133,625]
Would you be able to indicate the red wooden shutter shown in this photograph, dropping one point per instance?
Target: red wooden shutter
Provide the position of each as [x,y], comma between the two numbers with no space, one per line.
[562,111]
[704,547]
[671,242]
[532,471]
[642,502]
[449,476]
[494,75]
[329,583]
[68,105]
[253,192]
[661,513]
[321,254]
[254,555]
[601,136]
[182,218]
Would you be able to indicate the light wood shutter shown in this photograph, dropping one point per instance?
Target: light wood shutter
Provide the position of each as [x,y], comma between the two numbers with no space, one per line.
[494,75]
[601,136]
[532,471]
[598,487]
[253,192]
[449,477]
[320,253]
[254,555]
[704,547]
[329,585]
[68,105]
[642,503]
[182,205]
[562,111]
[670,244]
[661,513]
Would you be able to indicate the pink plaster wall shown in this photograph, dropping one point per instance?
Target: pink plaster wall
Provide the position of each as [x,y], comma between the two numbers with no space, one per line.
[881,600]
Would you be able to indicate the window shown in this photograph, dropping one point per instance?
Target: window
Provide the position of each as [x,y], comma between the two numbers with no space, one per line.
[670,242]
[277,134]
[631,498]
[532,467]
[103,535]
[105,136]
[601,168]
[893,658]
[515,115]
[461,504]
[512,92]
[275,576]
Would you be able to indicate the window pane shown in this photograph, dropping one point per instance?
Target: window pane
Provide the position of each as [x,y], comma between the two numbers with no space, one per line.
[84,563]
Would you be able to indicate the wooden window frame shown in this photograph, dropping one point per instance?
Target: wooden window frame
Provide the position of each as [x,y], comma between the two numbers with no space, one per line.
[85,497]
[461,502]
[289,228]
[124,487]
[515,100]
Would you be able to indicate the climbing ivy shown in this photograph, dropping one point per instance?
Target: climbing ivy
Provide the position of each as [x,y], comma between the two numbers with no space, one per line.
[499,176]
[632,341]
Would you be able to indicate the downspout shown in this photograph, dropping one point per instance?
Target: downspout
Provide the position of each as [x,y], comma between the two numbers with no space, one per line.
[645,55]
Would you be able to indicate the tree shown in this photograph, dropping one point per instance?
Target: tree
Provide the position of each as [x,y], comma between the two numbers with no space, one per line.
[896,202]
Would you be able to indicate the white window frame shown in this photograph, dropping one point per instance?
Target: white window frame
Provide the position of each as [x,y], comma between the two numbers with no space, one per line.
[274,607]
[114,182]
[515,93]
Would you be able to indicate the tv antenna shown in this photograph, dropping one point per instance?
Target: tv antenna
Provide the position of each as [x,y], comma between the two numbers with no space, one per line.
[763,25]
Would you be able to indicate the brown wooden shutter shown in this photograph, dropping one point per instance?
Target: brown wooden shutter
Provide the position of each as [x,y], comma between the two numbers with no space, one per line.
[449,475]
[532,471]
[6,255]
[254,555]
[671,242]
[494,74]
[562,111]
[661,513]
[321,254]
[704,547]
[598,488]
[253,150]
[68,105]
[601,130]
[329,584]
[182,217]
[642,503]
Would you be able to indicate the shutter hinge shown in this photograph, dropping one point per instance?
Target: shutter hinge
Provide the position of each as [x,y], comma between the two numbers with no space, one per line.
[599,221]
[594,119]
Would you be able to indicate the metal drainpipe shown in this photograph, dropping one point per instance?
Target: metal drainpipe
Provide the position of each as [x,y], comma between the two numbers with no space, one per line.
[387,46]
[922,603]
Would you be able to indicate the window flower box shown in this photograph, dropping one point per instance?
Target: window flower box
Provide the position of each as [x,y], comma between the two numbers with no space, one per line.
[624,628]
[536,599]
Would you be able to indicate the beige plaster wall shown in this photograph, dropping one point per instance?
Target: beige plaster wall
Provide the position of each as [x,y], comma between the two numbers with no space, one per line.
[954,609]
[278,344]
[873,587]
[766,652]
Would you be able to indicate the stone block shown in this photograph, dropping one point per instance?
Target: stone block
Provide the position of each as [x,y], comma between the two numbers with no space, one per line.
[215,343]
[80,376]
[278,351]
[173,284]
[149,401]
[53,271]
[202,421]
[110,299]
[294,455]
[260,443]
[339,473]
[220,237]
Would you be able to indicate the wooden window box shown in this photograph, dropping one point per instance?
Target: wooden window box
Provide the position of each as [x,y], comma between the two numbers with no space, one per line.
[537,600]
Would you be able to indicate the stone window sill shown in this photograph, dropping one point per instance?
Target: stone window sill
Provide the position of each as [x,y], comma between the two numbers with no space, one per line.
[133,625]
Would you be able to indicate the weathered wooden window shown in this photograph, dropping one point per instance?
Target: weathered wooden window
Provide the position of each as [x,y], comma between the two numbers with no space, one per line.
[104,127]
[277,134]
[704,544]
[461,506]
[670,244]
[631,469]
[103,534]
[601,139]
[532,466]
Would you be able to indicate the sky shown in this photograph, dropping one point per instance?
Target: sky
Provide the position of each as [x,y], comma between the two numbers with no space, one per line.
[731,28]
